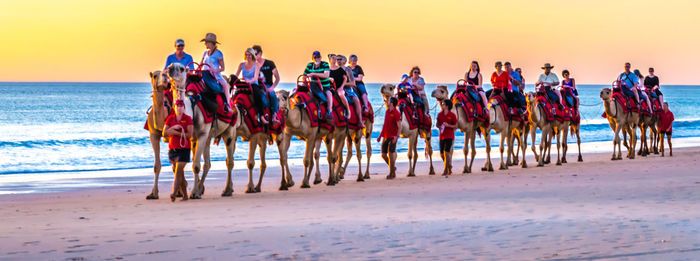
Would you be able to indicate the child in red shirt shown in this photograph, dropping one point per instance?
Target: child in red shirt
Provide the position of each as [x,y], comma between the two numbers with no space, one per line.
[390,133]
[665,128]
[447,123]
[178,127]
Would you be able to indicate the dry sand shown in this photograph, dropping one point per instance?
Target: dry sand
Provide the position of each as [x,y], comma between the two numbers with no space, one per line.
[648,208]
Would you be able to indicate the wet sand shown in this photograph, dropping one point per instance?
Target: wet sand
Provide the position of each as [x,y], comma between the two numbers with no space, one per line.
[648,208]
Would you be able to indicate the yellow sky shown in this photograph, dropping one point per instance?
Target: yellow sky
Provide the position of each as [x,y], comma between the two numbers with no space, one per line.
[122,40]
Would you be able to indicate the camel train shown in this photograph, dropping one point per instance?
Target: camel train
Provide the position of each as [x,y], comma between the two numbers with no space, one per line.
[175,83]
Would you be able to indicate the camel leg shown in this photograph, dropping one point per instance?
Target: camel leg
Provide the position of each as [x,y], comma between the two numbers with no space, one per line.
[533,136]
[283,156]
[616,144]
[317,161]
[661,144]
[509,143]
[368,143]
[358,144]
[155,143]
[230,148]
[523,147]
[543,145]
[466,152]
[412,140]
[472,141]
[348,157]
[564,145]
[501,149]
[487,138]
[429,152]
[330,157]
[578,142]
[285,143]
[670,146]
[199,146]
[263,163]
[550,137]
[559,147]
[308,160]
[206,167]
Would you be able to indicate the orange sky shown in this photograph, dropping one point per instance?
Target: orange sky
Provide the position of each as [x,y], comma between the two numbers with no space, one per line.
[123,40]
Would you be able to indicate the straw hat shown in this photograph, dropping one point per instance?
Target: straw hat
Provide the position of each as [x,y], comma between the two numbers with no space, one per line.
[547,65]
[210,37]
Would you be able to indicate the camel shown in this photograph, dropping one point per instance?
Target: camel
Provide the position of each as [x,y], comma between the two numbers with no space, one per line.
[355,137]
[297,123]
[648,123]
[469,128]
[538,120]
[203,134]
[507,129]
[334,141]
[620,121]
[156,121]
[387,91]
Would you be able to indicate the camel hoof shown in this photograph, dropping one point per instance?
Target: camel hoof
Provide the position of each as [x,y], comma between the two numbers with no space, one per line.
[390,176]
[227,193]
[179,194]
[290,183]
[318,181]
[524,165]
[284,187]
[411,175]
[484,169]
[547,161]
[151,196]
[366,176]
[360,179]
[502,168]
[195,196]
[250,191]
[540,165]
[305,186]
[563,160]
[558,163]
[490,169]
[330,183]
[258,189]
[580,159]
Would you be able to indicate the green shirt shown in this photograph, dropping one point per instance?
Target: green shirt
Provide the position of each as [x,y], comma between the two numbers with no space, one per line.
[310,68]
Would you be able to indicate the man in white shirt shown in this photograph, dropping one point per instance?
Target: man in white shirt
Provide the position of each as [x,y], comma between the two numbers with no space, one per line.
[548,81]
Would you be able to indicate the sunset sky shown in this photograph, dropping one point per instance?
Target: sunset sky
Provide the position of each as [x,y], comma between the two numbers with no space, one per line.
[121,41]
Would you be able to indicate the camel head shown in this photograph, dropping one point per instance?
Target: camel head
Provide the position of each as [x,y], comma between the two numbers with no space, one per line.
[605,93]
[159,81]
[177,73]
[387,90]
[441,93]
[283,98]
[530,98]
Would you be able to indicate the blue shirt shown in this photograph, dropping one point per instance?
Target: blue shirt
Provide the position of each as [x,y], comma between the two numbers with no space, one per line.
[628,79]
[186,59]
[515,76]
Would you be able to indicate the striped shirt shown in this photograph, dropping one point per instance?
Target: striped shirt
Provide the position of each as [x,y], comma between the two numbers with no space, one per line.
[310,68]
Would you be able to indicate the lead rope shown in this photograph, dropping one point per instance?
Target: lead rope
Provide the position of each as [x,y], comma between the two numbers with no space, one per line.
[182,137]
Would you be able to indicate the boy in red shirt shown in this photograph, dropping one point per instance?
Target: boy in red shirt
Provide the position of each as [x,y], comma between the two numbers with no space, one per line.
[178,127]
[665,127]
[447,123]
[390,133]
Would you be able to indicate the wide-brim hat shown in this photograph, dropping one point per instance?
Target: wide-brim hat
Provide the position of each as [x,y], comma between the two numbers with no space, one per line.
[210,37]
[547,65]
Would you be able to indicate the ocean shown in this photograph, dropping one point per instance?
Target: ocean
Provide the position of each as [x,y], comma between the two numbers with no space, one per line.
[68,127]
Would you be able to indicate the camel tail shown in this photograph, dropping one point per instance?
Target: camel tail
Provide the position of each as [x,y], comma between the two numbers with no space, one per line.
[478,131]
[572,131]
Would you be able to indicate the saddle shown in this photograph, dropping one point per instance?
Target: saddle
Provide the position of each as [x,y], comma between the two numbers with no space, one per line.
[243,100]
[210,102]
[415,113]
[302,97]
[655,102]
[464,99]
[511,113]
[552,111]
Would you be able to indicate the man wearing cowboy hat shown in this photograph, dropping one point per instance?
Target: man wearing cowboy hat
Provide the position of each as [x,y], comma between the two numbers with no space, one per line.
[548,80]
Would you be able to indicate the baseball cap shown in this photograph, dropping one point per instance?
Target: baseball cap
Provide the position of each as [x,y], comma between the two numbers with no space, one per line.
[316,54]
[179,42]
[179,102]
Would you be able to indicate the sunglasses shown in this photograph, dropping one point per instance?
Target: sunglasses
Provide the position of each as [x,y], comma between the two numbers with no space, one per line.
[416,72]
[182,45]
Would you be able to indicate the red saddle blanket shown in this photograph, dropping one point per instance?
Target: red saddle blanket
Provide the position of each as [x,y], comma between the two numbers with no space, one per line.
[552,111]
[415,115]
[511,114]
[473,110]
[197,87]
[628,105]
[244,103]
[315,111]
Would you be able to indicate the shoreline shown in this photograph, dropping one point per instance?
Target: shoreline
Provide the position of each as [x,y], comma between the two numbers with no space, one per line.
[644,208]
[48,182]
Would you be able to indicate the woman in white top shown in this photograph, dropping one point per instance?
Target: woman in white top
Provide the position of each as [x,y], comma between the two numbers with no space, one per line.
[214,58]
[418,85]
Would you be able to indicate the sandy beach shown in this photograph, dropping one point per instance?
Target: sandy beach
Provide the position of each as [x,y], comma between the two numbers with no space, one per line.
[646,209]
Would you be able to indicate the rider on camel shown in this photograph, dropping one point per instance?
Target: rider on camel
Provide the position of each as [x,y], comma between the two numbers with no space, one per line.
[628,80]
[320,70]
[548,81]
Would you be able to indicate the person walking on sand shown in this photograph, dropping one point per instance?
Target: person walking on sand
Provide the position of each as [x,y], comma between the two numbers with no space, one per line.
[447,123]
[178,127]
[665,128]
[214,58]
[179,56]
[390,133]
